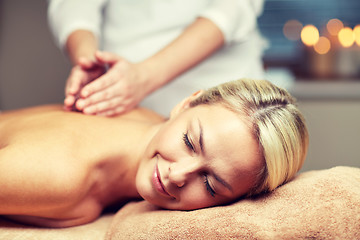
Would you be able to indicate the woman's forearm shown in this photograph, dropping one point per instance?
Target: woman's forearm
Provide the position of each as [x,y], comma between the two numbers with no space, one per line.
[196,43]
[81,43]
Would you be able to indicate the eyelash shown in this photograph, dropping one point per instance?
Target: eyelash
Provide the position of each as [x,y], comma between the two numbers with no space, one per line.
[187,142]
[208,187]
[206,181]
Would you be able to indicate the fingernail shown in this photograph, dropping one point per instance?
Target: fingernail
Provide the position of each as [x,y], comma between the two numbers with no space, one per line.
[68,102]
[88,110]
[80,104]
[73,90]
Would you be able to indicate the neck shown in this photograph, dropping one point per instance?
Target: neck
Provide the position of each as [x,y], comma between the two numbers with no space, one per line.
[121,179]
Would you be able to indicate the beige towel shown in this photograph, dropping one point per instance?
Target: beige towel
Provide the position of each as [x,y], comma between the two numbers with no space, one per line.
[315,205]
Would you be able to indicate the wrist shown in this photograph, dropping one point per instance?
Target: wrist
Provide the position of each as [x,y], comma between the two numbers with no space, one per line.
[152,74]
[81,44]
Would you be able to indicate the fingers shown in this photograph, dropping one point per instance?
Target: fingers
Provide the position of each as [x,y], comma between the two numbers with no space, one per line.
[69,102]
[113,106]
[73,85]
[114,92]
[108,108]
[76,79]
[98,97]
[103,82]
[103,106]
[86,71]
[110,99]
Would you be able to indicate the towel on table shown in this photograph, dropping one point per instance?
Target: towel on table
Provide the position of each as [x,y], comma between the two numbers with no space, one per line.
[322,204]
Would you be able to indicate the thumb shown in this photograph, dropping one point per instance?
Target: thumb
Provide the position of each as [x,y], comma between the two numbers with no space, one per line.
[86,63]
[107,57]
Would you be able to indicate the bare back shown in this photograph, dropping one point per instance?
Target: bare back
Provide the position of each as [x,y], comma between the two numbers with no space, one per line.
[62,168]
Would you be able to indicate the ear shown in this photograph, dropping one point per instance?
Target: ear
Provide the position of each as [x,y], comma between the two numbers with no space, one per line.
[184,104]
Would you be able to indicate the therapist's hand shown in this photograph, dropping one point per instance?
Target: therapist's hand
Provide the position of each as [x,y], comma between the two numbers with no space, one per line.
[117,91]
[81,74]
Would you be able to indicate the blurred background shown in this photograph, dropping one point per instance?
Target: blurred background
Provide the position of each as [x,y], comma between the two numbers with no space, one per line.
[313,51]
[313,40]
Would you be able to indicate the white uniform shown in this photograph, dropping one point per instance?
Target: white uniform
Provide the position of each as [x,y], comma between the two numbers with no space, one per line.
[137,29]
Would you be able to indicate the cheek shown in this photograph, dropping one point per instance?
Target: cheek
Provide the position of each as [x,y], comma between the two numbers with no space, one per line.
[143,178]
[195,197]
[167,142]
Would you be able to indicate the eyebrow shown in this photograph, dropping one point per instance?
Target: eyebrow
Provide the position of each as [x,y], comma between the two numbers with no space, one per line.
[223,182]
[202,147]
[201,142]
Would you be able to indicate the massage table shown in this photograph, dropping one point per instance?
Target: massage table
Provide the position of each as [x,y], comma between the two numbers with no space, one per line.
[319,204]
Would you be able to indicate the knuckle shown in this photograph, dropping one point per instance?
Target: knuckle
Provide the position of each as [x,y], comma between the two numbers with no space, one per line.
[104,106]
[114,102]
[107,94]
[108,80]
[119,110]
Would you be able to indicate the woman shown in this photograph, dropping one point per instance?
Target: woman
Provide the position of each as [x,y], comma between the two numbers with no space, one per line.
[60,169]
[167,49]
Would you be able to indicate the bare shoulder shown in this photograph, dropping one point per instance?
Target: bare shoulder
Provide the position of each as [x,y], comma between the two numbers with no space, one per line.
[33,183]
[27,170]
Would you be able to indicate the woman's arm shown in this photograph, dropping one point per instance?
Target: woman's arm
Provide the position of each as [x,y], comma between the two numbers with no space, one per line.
[126,84]
[81,44]
[196,43]
[76,26]
[222,22]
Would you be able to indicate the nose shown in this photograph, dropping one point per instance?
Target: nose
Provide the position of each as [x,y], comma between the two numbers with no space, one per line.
[181,172]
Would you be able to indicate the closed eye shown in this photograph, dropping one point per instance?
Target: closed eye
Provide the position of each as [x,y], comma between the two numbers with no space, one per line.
[208,187]
[187,142]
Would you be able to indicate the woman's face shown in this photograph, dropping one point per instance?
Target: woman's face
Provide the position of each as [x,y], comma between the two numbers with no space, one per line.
[203,156]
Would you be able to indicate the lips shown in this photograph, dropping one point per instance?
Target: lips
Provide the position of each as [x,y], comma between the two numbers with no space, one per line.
[156,179]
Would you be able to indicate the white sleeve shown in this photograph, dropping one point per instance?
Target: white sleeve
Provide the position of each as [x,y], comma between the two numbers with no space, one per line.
[235,18]
[66,16]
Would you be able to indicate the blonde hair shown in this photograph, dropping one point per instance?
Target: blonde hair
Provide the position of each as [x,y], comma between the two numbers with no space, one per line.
[277,124]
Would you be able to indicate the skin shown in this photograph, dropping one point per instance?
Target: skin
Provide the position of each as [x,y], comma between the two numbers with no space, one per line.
[62,168]
[90,90]
[223,154]
[48,178]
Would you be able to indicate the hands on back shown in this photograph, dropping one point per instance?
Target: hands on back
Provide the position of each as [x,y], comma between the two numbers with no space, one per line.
[107,86]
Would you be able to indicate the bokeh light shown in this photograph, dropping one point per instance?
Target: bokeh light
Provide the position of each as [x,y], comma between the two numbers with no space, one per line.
[292,29]
[346,37]
[357,34]
[334,26]
[323,45]
[309,35]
